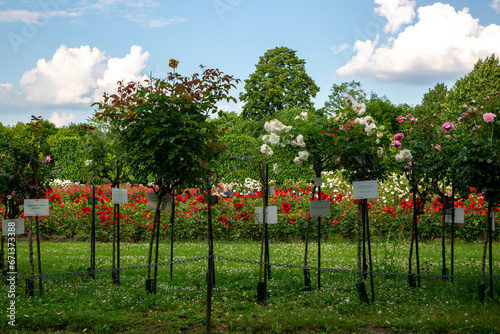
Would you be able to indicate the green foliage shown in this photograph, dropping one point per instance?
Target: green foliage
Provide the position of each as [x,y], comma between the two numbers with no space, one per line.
[385,112]
[280,81]
[69,156]
[235,164]
[482,81]
[336,98]
[435,101]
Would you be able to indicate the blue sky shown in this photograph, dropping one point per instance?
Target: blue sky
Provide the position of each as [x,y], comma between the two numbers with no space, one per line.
[59,56]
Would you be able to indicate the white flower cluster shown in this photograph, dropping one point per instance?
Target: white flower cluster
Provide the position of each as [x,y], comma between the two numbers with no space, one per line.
[302,156]
[404,156]
[302,116]
[274,128]
[368,122]
[61,183]
[359,108]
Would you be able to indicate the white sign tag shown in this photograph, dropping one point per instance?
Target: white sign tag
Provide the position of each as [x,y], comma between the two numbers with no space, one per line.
[318,182]
[166,202]
[365,189]
[271,215]
[13,226]
[119,196]
[459,215]
[36,207]
[319,208]
[271,191]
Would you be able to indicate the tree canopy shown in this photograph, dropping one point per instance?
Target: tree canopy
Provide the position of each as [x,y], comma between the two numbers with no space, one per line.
[280,81]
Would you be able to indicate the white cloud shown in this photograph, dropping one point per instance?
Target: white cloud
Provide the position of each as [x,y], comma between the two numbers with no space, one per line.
[339,49]
[80,75]
[11,16]
[443,43]
[62,120]
[6,92]
[495,4]
[397,13]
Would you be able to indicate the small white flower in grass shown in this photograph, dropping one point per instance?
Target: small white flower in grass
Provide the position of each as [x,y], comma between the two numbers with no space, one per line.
[265,149]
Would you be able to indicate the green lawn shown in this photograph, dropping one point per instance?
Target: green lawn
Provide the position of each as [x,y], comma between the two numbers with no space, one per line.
[78,304]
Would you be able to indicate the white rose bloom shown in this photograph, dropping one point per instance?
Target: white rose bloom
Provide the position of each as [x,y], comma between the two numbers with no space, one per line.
[88,162]
[349,100]
[361,121]
[303,155]
[380,152]
[297,161]
[407,155]
[265,139]
[359,108]
[265,149]
[302,116]
[370,128]
[276,169]
[274,139]
[298,141]
[380,134]
[269,126]
[399,157]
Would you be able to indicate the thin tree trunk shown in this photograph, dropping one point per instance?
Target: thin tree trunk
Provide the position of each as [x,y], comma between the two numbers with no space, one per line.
[485,247]
[151,241]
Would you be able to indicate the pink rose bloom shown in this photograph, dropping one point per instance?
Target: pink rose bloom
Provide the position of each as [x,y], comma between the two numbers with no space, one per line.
[396,144]
[489,117]
[438,148]
[410,117]
[448,126]
[465,106]
[47,159]
[399,136]
[400,119]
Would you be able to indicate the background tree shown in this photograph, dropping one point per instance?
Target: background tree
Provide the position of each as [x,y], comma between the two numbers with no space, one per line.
[435,101]
[482,81]
[385,112]
[279,81]
[336,98]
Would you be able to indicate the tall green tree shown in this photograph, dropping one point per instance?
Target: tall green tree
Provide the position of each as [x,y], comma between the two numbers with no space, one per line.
[280,81]
[482,81]
[336,98]
[435,101]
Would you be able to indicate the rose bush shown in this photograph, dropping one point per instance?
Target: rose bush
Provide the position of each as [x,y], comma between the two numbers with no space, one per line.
[390,214]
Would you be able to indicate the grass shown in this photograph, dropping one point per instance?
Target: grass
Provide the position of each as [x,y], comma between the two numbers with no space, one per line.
[76,304]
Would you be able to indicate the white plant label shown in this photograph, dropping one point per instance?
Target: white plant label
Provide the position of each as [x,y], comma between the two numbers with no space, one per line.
[166,202]
[119,195]
[320,208]
[271,215]
[459,215]
[13,225]
[365,189]
[36,207]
